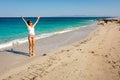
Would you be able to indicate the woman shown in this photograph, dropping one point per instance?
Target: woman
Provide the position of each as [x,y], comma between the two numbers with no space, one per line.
[31,35]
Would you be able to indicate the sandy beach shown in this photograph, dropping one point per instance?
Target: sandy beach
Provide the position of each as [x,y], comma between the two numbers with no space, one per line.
[90,53]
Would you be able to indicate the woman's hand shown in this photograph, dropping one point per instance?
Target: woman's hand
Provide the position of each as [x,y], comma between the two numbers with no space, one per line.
[38,17]
[24,21]
[22,16]
[36,21]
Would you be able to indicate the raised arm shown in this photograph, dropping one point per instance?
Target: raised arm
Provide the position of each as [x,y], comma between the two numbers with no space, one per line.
[24,21]
[36,21]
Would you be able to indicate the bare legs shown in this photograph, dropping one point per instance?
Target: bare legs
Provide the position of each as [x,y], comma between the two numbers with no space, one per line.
[31,45]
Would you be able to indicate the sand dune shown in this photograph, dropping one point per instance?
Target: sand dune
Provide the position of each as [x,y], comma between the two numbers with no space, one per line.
[97,57]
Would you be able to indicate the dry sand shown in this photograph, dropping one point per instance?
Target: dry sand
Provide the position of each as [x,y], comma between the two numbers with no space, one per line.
[96,57]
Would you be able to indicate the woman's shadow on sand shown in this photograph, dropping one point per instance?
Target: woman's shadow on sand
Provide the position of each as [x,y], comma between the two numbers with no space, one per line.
[16,52]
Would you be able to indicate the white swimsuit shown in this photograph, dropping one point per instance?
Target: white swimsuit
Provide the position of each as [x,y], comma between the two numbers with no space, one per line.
[31,30]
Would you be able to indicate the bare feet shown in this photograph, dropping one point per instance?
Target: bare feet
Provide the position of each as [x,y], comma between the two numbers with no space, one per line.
[33,54]
[30,55]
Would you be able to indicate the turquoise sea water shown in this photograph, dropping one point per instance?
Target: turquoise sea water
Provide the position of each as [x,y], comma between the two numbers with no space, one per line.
[12,28]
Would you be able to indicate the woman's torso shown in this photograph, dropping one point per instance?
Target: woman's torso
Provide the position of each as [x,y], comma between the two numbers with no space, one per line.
[31,30]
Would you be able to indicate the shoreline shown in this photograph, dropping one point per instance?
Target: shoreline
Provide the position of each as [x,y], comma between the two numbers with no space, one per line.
[13,56]
[18,42]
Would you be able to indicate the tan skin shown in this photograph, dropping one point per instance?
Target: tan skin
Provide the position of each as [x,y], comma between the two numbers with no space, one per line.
[31,38]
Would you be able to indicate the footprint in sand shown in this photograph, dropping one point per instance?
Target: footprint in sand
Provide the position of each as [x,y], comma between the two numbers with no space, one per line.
[62,50]
[106,56]
[79,49]
[35,78]
[65,50]
[109,62]
[68,50]
[93,52]
[44,54]
[76,45]
[114,64]
[119,73]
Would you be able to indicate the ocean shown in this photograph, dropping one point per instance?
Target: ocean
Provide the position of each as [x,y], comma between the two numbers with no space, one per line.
[13,29]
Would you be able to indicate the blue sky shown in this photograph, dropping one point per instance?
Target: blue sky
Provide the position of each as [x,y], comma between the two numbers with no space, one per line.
[59,7]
